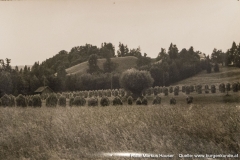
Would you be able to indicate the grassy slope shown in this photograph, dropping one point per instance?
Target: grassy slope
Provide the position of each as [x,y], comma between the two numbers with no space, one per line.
[123,62]
[226,74]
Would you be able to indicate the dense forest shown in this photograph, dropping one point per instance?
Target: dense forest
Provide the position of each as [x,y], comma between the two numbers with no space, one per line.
[168,67]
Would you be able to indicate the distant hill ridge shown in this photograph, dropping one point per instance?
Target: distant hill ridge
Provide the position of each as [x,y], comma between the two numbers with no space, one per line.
[124,63]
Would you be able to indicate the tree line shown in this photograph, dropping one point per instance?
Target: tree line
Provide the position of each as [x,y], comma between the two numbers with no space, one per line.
[168,67]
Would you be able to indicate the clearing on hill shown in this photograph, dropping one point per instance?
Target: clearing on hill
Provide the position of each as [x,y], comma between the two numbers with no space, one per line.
[225,75]
[124,63]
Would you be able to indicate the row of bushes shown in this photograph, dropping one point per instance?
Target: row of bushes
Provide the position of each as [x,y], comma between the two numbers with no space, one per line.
[152,91]
[53,101]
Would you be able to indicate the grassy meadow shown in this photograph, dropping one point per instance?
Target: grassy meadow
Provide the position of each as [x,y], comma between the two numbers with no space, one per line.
[225,75]
[124,63]
[84,132]
[210,125]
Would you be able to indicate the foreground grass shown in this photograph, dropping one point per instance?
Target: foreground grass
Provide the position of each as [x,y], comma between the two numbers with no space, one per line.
[81,132]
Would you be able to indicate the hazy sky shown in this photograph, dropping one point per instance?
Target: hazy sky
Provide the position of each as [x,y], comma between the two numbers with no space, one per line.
[33,31]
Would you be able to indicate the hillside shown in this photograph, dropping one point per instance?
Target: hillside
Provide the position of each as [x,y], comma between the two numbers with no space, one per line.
[225,75]
[124,63]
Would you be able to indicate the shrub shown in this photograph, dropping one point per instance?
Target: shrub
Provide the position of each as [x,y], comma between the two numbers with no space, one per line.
[160,90]
[37,101]
[95,93]
[115,92]
[51,100]
[62,101]
[122,92]
[130,100]
[85,93]
[92,101]
[189,99]
[12,100]
[100,93]
[222,87]
[213,89]
[206,88]
[187,90]
[173,101]
[71,100]
[138,101]
[104,101]
[191,88]
[183,89]
[21,101]
[165,91]
[176,90]
[148,92]
[90,94]
[108,93]
[144,101]
[155,90]
[136,81]
[0,102]
[157,100]
[170,89]
[79,101]
[228,86]
[199,89]
[5,100]
[30,102]
[235,87]
[117,101]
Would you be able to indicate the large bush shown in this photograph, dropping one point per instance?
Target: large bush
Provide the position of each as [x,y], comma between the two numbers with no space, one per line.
[6,100]
[213,88]
[92,101]
[117,101]
[222,87]
[138,101]
[21,101]
[144,101]
[130,100]
[157,100]
[79,101]
[176,90]
[62,101]
[71,100]
[51,100]
[173,101]
[136,81]
[36,101]
[104,101]
[12,100]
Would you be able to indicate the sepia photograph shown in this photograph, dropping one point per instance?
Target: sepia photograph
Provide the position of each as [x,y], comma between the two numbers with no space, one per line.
[120,79]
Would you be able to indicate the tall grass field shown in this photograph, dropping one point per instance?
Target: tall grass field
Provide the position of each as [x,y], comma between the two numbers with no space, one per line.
[86,132]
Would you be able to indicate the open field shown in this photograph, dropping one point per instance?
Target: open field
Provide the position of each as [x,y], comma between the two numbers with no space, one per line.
[124,63]
[225,75]
[83,132]
[211,125]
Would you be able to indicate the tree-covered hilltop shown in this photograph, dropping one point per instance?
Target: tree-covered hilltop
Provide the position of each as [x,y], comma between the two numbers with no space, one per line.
[168,67]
